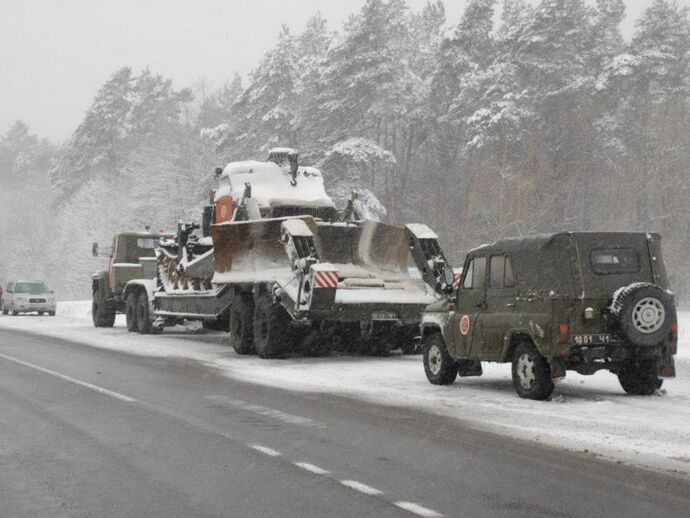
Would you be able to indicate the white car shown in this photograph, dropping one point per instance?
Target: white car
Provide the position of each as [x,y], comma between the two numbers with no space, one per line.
[28,297]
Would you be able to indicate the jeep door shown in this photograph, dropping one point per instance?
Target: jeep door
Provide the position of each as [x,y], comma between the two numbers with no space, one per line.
[501,296]
[471,301]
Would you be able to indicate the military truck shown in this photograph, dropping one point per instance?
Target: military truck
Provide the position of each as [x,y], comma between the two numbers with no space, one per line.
[277,263]
[557,302]
[132,256]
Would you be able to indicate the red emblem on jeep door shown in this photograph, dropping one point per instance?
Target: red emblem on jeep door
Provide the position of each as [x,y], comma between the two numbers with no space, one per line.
[465,324]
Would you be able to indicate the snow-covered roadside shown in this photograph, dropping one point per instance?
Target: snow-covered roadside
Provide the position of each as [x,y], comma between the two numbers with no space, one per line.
[588,413]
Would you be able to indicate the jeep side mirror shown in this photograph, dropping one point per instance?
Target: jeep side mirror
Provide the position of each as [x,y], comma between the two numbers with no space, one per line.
[94,249]
[448,276]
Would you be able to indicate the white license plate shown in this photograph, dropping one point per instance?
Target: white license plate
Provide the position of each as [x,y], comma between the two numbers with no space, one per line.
[591,339]
[384,315]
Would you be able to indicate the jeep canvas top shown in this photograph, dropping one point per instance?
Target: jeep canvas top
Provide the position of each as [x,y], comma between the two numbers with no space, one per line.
[581,301]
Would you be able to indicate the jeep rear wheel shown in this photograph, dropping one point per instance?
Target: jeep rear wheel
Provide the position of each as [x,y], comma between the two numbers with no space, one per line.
[131,311]
[101,314]
[531,373]
[639,378]
[439,367]
[242,324]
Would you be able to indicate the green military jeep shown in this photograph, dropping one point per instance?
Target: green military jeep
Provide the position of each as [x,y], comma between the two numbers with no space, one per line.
[549,303]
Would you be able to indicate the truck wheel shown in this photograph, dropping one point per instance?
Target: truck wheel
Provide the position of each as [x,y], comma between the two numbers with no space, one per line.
[531,373]
[101,314]
[439,367]
[408,344]
[639,378]
[222,323]
[645,312]
[143,315]
[131,311]
[271,333]
[242,324]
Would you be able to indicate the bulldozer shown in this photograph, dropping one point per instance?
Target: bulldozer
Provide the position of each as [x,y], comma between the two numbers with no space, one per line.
[278,266]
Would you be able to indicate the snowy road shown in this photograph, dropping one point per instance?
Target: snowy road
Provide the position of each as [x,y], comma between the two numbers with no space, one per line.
[589,414]
[95,432]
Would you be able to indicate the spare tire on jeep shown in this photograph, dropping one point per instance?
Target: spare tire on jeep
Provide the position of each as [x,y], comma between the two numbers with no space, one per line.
[645,312]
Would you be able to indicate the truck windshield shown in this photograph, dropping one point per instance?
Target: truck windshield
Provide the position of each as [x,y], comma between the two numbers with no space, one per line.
[30,287]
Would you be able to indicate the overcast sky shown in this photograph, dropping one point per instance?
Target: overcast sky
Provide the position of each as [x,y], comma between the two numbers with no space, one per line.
[55,54]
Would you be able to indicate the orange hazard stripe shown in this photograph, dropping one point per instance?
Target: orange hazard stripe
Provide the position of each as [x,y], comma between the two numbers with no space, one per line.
[325,279]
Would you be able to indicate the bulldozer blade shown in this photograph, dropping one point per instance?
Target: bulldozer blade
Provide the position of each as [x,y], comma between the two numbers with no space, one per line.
[372,246]
[251,248]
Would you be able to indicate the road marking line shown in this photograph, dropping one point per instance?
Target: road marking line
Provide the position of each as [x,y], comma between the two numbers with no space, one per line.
[265,450]
[311,468]
[102,390]
[362,488]
[263,410]
[417,509]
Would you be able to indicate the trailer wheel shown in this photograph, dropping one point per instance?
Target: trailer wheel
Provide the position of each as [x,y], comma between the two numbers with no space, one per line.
[271,333]
[143,315]
[131,311]
[101,314]
[242,324]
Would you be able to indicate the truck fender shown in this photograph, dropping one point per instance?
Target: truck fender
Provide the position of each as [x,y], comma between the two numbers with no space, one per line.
[99,280]
[149,286]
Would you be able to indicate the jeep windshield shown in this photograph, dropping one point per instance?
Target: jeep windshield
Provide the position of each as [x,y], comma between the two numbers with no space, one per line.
[32,288]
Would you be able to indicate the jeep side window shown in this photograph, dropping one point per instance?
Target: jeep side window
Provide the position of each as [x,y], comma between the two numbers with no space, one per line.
[467,275]
[500,272]
[509,281]
[615,260]
[497,267]
[476,274]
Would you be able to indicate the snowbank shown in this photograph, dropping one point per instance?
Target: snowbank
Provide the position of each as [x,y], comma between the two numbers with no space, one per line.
[587,413]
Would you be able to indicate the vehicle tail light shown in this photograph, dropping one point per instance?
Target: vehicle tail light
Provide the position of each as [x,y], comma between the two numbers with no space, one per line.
[674,332]
[557,371]
[563,333]
[673,338]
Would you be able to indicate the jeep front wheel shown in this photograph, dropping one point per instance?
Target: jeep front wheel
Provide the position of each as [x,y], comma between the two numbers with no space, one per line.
[531,373]
[639,378]
[439,367]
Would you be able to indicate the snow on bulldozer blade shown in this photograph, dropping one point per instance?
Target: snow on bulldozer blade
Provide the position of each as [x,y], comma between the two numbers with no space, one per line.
[587,413]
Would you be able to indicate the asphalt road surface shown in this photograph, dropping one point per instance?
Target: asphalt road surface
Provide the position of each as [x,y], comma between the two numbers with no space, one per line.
[89,432]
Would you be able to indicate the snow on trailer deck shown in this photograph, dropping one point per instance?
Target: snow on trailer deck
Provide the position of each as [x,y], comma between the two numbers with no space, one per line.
[587,413]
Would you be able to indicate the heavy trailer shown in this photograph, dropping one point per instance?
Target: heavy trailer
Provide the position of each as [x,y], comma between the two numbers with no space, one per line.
[284,271]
